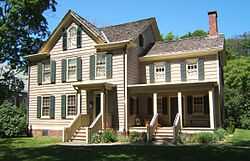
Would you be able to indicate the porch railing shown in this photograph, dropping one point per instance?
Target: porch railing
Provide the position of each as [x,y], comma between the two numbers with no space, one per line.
[94,127]
[176,126]
[152,126]
[79,121]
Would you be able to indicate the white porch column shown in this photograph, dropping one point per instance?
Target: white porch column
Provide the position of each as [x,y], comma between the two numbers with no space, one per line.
[180,107]
[211,107]
[155,103]
[102,108]
[79,101]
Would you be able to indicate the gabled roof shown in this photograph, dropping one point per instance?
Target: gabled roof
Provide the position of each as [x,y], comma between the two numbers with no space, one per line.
[186,45]
[126,31]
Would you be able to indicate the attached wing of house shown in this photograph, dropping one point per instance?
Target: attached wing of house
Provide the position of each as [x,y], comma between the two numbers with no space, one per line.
[86,78]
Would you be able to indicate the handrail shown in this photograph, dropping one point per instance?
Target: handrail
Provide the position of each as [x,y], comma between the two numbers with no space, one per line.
[176,126]
[94,127]
[80,120]
[152,126]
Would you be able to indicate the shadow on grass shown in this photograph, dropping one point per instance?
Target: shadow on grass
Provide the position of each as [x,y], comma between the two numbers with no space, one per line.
[242,143]
[127,152]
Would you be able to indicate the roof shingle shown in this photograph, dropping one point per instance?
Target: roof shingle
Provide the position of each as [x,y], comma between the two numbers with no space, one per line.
[185,45]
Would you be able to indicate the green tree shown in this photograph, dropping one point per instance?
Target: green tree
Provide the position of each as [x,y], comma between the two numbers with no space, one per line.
[237,91]
[23,27]
[196,33]
[169,37]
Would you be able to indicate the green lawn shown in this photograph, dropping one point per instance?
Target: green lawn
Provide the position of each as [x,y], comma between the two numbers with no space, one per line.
[39,149]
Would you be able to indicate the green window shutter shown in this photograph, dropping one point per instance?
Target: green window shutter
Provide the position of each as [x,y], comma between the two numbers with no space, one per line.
[168,72]
[190,104]
[63,107]
[64,69]
[39,73]
[109,66]
[79,69]
[52,107]
[206,104]
[183,72]
[53,71]
[152,73]
[39,104]
[79,37]
[64,35]
[92,67]
[201,69]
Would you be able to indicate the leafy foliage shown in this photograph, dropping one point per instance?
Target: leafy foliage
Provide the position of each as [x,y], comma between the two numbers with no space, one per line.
[108,136]
[196,33]
[237,92]
[136,137]
[12,120]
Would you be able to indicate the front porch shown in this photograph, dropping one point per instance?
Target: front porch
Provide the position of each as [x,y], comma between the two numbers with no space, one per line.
[193,103]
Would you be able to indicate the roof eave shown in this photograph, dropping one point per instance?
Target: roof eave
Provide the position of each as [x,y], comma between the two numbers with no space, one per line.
[114,45]
[178,55]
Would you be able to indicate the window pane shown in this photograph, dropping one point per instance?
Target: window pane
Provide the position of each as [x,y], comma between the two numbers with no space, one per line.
[71,105]
[45,106]
[198,104]
[159,72]
[72,69]
[46,72]
[100,65]
[72,37]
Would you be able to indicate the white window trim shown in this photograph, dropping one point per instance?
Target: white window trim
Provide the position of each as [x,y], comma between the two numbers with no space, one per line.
[44,117]
[67,70]
[70,116]
[43,66]
[203,105]
[189,62]
[74,37]
[101,77]
[164,73]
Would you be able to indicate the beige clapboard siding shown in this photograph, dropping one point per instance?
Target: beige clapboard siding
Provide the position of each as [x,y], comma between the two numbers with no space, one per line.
[133,75]
[210,69]
[59,88]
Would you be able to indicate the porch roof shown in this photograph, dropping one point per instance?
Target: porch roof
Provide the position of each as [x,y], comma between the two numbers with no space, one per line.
[94,85]
[170,87]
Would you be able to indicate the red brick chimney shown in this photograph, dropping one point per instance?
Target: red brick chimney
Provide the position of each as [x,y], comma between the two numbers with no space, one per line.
[213,26]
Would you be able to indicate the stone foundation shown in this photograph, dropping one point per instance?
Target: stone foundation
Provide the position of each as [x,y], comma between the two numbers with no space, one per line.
[45,132]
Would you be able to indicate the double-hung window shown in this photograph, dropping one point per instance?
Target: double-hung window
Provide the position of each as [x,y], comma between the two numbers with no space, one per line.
[72,37]
[100,66]
[72,69]
[192,70]
[45,106]
[160,72]
[46,73]
[71,105]
[198,104]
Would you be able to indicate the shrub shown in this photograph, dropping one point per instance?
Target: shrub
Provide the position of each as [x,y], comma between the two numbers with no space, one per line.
[231,127]
[136,137]
[12,121]
[245,121]
[220,134]
[122,138]
[108,136]
[206,138]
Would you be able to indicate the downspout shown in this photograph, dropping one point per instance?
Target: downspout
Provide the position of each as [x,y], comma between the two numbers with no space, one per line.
[125,87]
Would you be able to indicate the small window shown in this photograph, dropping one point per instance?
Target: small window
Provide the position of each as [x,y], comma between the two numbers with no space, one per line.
[46,73]
[72,69]
[71,105]
[192,71]
[141,40]
[159,72]
[100,66]
[72,38]
[198,105]
[45,106]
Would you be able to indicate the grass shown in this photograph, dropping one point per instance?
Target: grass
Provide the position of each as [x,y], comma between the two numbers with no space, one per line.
[240,137]
[44,148]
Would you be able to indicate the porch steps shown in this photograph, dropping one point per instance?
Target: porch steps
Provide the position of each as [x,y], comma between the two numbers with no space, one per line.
[80,135]
[163,135]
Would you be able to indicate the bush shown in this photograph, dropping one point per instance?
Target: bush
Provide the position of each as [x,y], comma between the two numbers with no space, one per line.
[136,137]
[187,138]
[220,134]
[122,138]
[245,122]
[107,136]
[206,138]
[12,121]
[231,127]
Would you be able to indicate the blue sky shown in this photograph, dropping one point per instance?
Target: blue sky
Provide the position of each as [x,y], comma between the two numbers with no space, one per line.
[177,16]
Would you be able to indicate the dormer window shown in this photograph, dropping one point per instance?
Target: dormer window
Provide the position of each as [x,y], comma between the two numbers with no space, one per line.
[72,37]
[141,40]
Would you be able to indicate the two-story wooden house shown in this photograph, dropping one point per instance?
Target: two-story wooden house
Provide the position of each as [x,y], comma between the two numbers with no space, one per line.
[85,79]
